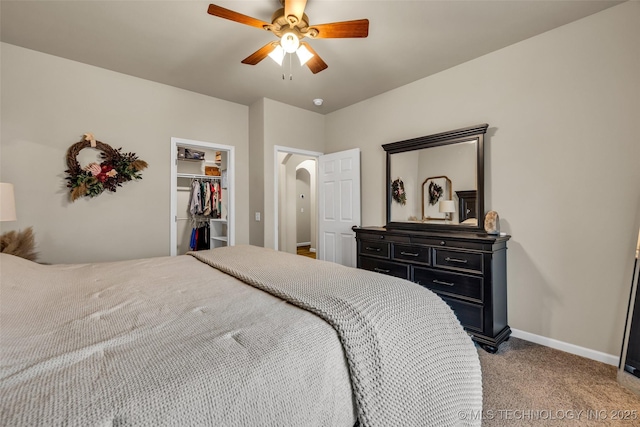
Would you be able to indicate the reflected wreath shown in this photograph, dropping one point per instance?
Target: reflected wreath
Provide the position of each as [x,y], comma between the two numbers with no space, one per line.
[397,191]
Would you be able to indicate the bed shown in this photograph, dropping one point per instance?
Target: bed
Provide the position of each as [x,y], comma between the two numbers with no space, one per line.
[236,336]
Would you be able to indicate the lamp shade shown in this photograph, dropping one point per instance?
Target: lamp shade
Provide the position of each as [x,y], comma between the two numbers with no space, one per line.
[303,55]
[447,206]
[7,202]
[278,54]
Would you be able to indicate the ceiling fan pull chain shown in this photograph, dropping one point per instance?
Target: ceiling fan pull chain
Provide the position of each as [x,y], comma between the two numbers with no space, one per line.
[290,72]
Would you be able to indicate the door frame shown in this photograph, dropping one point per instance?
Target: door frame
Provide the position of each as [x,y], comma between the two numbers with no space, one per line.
[276,177]
[231,235]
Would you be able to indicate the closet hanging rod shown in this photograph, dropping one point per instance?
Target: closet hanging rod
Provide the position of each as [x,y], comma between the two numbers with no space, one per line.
[199,219]
[201,177]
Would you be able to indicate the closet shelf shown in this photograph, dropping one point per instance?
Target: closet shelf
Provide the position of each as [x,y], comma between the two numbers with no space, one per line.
[190,160]
[220,238]
[191,175]
[219,220]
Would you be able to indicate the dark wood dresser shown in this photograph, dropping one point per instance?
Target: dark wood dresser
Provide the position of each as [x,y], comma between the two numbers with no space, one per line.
[467,270]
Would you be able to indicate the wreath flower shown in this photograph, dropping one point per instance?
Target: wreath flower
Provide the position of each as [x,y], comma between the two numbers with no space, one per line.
[115,169]
[398,193]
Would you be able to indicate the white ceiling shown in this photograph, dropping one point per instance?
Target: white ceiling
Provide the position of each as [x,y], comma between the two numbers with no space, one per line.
[179,44]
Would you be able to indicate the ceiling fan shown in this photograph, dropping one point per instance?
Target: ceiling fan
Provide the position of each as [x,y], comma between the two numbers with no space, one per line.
[290,24]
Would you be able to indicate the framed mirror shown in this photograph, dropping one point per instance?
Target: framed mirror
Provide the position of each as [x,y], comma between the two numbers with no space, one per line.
[436,182]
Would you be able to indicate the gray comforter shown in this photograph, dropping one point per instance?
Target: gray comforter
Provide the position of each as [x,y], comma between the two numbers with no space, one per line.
[171,341]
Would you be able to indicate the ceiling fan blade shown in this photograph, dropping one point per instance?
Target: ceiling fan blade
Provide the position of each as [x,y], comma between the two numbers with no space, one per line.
[315,64]
[221,12]
[260,54]
[344,29]
[294,8]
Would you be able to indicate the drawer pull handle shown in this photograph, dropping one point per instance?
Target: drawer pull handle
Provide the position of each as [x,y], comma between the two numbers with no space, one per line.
[369,248]
[408,253]
[381,270]
[439,282]
[462,261]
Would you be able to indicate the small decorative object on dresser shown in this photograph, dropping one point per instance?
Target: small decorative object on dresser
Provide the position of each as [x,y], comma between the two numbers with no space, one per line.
[492,223]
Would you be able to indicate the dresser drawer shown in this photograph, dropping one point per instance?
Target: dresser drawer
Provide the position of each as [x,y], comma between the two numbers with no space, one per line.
[463,260]
[384,267]
[444,243]
[372,236]
[412,253]
[470,315]
[444,282]
[379,249]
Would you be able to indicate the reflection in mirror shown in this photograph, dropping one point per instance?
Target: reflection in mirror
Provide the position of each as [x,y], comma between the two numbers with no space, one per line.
[431,176]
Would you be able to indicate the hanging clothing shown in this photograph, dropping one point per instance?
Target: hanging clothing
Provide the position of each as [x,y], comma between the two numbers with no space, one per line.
[206,211]
[203,237]
[214,200]
[195,204]
[192,242]
[200,236]
[219,199]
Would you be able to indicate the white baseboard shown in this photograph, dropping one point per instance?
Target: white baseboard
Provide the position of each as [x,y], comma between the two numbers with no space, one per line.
[599,356]
[303,244]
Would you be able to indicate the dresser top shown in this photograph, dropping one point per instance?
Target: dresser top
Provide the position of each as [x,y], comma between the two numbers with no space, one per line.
[475,237]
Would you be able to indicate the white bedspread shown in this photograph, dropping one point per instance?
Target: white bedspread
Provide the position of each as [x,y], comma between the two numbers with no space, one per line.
[411,362]
[163,341]
[172,341]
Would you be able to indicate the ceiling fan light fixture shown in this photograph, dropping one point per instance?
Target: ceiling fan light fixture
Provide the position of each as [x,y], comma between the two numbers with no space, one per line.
[291,25]
[304,55]
[277,54]
[290,42]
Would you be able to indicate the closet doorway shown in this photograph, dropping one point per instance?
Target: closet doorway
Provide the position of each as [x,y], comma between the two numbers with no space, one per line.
[205,169]
[296,200]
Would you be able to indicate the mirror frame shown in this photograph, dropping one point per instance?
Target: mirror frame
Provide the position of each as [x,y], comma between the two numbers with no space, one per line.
[436,140]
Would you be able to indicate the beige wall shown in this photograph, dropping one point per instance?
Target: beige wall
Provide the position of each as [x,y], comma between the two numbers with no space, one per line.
[562,157]
[49,102]
[291,127]
[256,172]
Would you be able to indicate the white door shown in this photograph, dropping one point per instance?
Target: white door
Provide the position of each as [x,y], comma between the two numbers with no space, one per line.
[339,206]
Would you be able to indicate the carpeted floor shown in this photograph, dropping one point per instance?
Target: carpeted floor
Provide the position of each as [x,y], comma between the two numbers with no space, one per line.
[526,384]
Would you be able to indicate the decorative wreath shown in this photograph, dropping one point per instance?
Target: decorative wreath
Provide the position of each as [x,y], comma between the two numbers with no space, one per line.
[435,192]
[116,168]
[397,192]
